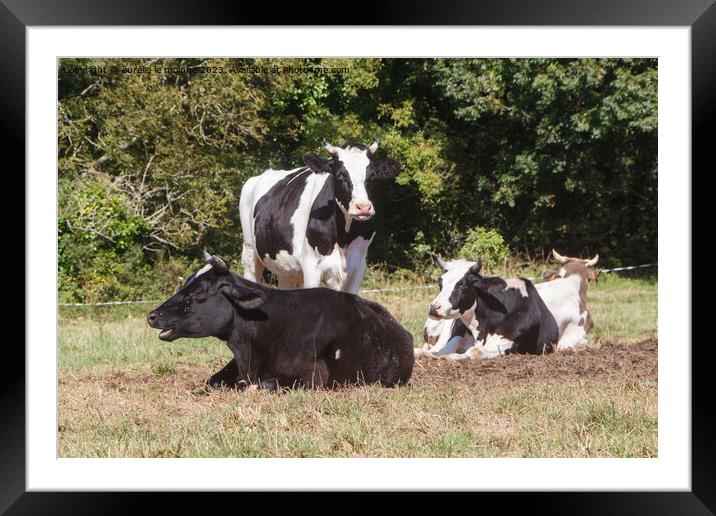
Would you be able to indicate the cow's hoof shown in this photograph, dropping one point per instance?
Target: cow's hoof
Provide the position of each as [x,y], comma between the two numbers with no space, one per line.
[219,384]
[215,384]
[269,385]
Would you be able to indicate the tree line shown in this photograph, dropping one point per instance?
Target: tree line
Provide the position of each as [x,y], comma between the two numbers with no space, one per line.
[543,152]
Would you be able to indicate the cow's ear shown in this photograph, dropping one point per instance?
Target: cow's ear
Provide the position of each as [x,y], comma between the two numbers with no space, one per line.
[550,275]
[385,169]
[245,297]
[317,164]
[476,267]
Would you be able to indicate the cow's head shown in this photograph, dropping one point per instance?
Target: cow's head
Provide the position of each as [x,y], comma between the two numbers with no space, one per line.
[353,174]
[461,288]
[456,297]
[205,306]
[572,266]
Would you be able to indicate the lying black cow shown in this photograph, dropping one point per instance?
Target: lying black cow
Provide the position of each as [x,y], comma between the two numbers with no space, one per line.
[504,316]
[311,337]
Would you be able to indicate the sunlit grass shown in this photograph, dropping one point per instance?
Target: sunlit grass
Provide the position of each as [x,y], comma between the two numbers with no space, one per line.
[123,392]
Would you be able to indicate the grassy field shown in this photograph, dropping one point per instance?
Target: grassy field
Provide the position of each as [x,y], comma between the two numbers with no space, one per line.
[124,393]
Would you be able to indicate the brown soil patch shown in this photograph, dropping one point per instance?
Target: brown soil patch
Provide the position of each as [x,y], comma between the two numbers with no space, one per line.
[600,362]
[588,363]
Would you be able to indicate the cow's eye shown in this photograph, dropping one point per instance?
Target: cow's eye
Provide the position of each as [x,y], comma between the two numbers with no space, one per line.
[200,297]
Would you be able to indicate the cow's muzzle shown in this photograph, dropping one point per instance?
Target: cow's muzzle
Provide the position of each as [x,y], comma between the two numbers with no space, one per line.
[434,311]
[363,210]
[154,320]
[439,311]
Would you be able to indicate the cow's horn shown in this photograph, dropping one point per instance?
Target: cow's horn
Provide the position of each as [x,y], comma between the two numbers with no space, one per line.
[442,263]
[592,262]
[330,148]
[374,146]
[219,264]
[559,257]
[207,256]
[177,283]
[477,266]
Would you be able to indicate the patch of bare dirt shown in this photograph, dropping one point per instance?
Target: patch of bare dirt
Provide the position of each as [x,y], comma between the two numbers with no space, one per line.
[600,362]
[187,377]
[588,363]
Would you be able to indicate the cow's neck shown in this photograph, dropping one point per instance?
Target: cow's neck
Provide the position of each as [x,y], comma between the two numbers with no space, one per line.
[470,321]
[347,231]
[583,284]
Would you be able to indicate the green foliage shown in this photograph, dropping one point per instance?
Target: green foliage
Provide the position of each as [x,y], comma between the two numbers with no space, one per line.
[486,244]
[563,150]
[548,152]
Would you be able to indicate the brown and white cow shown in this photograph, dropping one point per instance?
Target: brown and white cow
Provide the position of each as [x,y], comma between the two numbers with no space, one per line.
[564,291]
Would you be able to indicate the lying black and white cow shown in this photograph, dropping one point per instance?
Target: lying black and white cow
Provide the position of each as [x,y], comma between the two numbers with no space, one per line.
[445,338]
[312,337]
[315,223]
[502,316]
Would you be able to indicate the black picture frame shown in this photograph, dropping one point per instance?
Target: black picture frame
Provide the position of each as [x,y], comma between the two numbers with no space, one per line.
[700,15]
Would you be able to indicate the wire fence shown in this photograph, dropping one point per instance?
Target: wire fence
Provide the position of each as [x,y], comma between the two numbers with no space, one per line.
[367,291]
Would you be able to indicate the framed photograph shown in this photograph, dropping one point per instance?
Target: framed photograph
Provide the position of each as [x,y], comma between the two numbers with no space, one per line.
[427,252]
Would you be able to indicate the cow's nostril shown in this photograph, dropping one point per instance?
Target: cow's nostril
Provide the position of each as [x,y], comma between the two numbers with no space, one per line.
[151,317]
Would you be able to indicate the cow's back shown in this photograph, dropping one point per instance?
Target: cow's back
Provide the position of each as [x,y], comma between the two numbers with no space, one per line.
[389,343]
[359,341]
[275,208]
[253,190]
[561,298]
[527,322]
[548,335]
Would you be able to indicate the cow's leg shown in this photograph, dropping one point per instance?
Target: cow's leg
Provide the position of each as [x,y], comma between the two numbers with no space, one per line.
[259,270]
[286,284]
[311,276]
[495,346]
[314,376]
[472,353]
[317,376]
[573,335]
[422,352]
[456,344]
[355,263]
[249,365]
[271,384]
[274,384]
[226,377]
[355,277]
[253,268]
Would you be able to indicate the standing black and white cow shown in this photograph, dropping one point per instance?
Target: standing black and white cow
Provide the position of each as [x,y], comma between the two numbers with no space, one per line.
[310,337]
[315,223]
[503,316]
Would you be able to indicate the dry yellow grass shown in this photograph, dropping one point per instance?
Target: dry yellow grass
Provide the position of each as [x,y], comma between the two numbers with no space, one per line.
[123,393]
